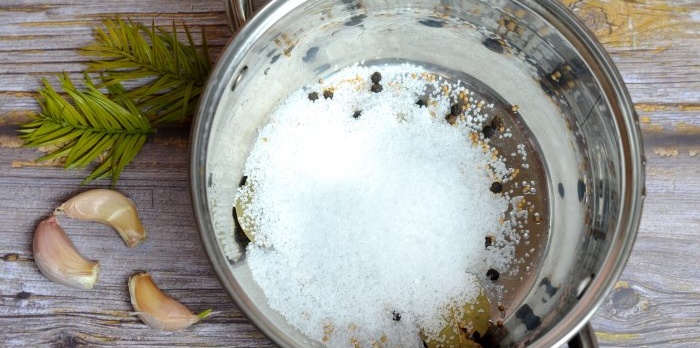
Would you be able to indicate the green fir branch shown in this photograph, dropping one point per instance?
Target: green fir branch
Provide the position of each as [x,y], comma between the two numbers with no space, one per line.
[93,127]
[167,76]
[147,78]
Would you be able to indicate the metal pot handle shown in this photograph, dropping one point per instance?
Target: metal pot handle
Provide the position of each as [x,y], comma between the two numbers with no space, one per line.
[238,12]
[584,339]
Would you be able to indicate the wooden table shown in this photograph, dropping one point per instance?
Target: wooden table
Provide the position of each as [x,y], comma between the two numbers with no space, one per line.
[655,44]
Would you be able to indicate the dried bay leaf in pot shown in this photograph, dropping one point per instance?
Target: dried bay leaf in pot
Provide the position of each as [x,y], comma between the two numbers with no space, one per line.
[244,197]
[462,323]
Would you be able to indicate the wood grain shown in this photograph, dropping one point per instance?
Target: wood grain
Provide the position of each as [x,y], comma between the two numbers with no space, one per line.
[35,312]
[656,302]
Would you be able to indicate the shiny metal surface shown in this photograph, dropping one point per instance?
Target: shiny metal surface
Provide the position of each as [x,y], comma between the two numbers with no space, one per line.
[585,338]
[238,12]
[533,54]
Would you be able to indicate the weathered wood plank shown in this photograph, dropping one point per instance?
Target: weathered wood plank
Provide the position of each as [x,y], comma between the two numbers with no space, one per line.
[41,38]
[656,303]
[635,33]
[36,312]
[654,44]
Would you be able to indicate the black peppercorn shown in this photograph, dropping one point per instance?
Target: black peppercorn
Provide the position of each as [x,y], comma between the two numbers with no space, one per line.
[493,274]
[328,94]
[357,114]
[488,131]
[376,77]
[396,316]
[376,88]
[313,96]
[456,109]
[496,187]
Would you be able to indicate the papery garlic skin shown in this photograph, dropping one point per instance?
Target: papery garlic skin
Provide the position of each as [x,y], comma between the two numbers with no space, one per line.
[157,309]
[59,260]
[109,207]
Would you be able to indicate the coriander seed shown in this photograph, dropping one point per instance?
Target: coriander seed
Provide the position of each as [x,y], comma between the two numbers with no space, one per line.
[488,241]
[328,94]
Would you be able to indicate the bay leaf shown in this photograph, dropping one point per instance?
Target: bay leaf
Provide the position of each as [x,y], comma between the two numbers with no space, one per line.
[244,197]
[461,323]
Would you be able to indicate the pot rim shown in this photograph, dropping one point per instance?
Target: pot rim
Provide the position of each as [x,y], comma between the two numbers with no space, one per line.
[632,165]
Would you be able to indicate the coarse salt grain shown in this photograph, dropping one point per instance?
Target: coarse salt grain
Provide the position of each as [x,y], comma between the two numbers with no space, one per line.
[360,220]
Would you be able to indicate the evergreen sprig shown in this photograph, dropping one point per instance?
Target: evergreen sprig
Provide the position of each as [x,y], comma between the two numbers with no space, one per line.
[93,126]
[167,76]
[147,78]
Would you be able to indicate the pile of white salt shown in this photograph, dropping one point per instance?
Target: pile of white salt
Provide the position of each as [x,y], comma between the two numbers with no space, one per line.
[371,210]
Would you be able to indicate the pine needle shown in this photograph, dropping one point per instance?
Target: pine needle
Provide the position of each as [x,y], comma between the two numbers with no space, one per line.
[167,76]
[147,78]
[92,127]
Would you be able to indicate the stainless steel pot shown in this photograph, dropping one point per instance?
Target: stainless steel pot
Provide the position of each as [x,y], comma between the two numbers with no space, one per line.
[535,54]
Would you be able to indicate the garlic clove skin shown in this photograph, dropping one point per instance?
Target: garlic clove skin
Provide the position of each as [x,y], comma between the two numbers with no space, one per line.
[59,260]
[108,207]
[157,309]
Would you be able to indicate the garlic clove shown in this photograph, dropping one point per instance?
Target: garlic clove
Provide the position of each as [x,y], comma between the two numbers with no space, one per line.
[109,207]
[59,260]
[157,309]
